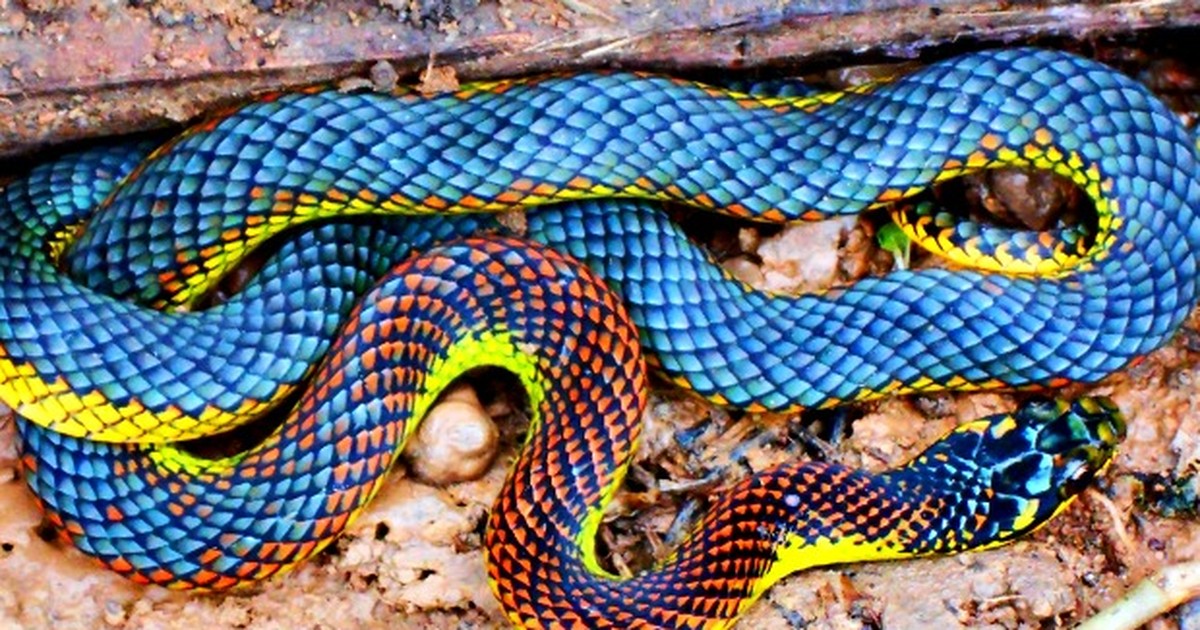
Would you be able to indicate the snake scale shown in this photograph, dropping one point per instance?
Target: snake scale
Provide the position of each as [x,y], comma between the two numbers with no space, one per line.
[108,358]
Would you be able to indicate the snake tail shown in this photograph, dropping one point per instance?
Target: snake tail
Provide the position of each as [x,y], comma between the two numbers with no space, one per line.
[181,521]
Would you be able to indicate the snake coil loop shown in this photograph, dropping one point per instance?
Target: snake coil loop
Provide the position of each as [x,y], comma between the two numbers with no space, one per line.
[104,382]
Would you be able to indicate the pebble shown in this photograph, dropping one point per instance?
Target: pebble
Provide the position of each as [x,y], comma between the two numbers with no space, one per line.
[114,613]
[456,441]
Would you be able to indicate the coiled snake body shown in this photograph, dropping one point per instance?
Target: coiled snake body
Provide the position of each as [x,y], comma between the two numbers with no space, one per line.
[103,383]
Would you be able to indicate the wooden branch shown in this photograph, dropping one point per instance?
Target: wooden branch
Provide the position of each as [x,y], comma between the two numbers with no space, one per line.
[1156,595]
[72,69]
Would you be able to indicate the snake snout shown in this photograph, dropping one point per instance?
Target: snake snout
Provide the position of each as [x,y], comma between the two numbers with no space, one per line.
[1095,422]
[1078,468]
[1081,441]
[1054,448]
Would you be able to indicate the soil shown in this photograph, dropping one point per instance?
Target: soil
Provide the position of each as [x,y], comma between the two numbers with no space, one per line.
[414,560]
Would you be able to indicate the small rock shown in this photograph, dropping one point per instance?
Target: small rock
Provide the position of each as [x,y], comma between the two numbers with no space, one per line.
[384,76]
[939,405]
[804,256]
[1033,199]
[114,613]
[437,80]
[745,270]
[45,7]
[515,221]
[456,442]
[749,239]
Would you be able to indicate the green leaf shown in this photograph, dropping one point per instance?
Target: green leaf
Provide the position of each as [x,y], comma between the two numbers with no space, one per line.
[891,238]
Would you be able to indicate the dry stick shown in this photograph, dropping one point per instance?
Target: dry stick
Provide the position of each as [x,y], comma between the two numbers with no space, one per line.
[1118,533]
[1153,596]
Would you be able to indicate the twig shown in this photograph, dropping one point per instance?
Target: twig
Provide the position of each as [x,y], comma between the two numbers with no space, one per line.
[584,8]
[614,45]
[1153,596]
[1119,533]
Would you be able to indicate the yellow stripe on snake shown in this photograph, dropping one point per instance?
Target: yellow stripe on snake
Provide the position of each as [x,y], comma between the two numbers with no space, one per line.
[104,382]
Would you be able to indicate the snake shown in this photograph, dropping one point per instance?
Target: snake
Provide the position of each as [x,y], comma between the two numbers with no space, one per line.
[393,277]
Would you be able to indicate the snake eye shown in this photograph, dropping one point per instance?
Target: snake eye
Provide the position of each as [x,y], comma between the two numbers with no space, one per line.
[1078,471]
[1024,476]
[1042,411]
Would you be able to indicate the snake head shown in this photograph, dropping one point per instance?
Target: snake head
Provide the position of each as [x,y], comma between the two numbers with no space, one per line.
[1002,476]
[1082,438]
[1047,453]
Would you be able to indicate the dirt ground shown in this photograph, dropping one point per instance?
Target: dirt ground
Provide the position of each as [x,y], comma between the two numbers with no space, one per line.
[414,559]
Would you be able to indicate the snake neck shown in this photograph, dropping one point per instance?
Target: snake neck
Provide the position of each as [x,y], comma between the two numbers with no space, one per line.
[983,484]
[785,520]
